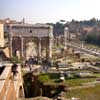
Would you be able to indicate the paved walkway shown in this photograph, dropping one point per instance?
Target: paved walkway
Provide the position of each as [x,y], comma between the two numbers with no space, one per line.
[83,49]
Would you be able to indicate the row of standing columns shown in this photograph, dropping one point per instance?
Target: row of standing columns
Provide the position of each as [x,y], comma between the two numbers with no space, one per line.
[48,48]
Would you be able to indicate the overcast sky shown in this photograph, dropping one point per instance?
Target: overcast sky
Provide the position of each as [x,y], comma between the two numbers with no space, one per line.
[38,11]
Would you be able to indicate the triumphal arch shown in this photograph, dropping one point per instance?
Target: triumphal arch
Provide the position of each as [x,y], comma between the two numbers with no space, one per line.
[31,40]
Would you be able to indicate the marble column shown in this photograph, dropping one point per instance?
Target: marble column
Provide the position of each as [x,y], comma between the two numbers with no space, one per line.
[11,38]
[22,46]
[69,38]
[50,41]
[50,47]
[25,44]
[47,50]
[39,48]
[66,36]
[10,42]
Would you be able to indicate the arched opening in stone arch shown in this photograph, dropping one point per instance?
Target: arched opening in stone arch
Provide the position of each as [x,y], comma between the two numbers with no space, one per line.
[31,50]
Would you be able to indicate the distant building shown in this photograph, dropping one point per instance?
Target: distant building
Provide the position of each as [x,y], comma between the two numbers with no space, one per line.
[10,21]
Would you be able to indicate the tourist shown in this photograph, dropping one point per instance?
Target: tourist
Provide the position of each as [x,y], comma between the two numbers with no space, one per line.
[14,69]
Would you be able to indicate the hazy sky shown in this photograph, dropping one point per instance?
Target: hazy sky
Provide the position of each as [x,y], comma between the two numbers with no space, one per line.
[49,10]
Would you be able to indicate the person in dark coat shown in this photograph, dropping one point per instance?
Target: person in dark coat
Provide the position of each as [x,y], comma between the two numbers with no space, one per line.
[14,69]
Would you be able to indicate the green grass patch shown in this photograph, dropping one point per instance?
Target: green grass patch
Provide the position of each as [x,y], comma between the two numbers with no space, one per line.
[43,78]
[97,75]
[78,81]
[48,77]
[92,93]
[53,78]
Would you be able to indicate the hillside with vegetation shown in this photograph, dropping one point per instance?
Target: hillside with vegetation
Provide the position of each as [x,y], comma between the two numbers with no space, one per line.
[89,29]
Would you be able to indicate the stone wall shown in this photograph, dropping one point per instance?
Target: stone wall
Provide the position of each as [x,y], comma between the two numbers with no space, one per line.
[1,35]
[9,87]
[6,51]
[11,95]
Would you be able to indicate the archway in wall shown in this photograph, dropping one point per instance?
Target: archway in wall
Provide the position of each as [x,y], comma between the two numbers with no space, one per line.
[31,50]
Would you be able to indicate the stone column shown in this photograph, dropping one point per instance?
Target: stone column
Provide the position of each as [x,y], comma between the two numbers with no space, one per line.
[69,37]
[22,46]
[39,48]
[50,48]
[25,48]
[10,42]
[10,45]
[66,36]
[47,49]
[50,41]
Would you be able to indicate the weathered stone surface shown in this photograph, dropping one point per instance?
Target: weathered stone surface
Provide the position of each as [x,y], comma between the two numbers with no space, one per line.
[37,98]
[1,35]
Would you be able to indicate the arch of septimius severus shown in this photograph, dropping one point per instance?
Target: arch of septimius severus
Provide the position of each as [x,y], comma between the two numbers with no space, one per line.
[27,40]
[22,35]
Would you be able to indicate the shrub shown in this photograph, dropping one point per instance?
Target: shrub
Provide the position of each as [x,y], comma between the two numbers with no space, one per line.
[15,60]
[43,78]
